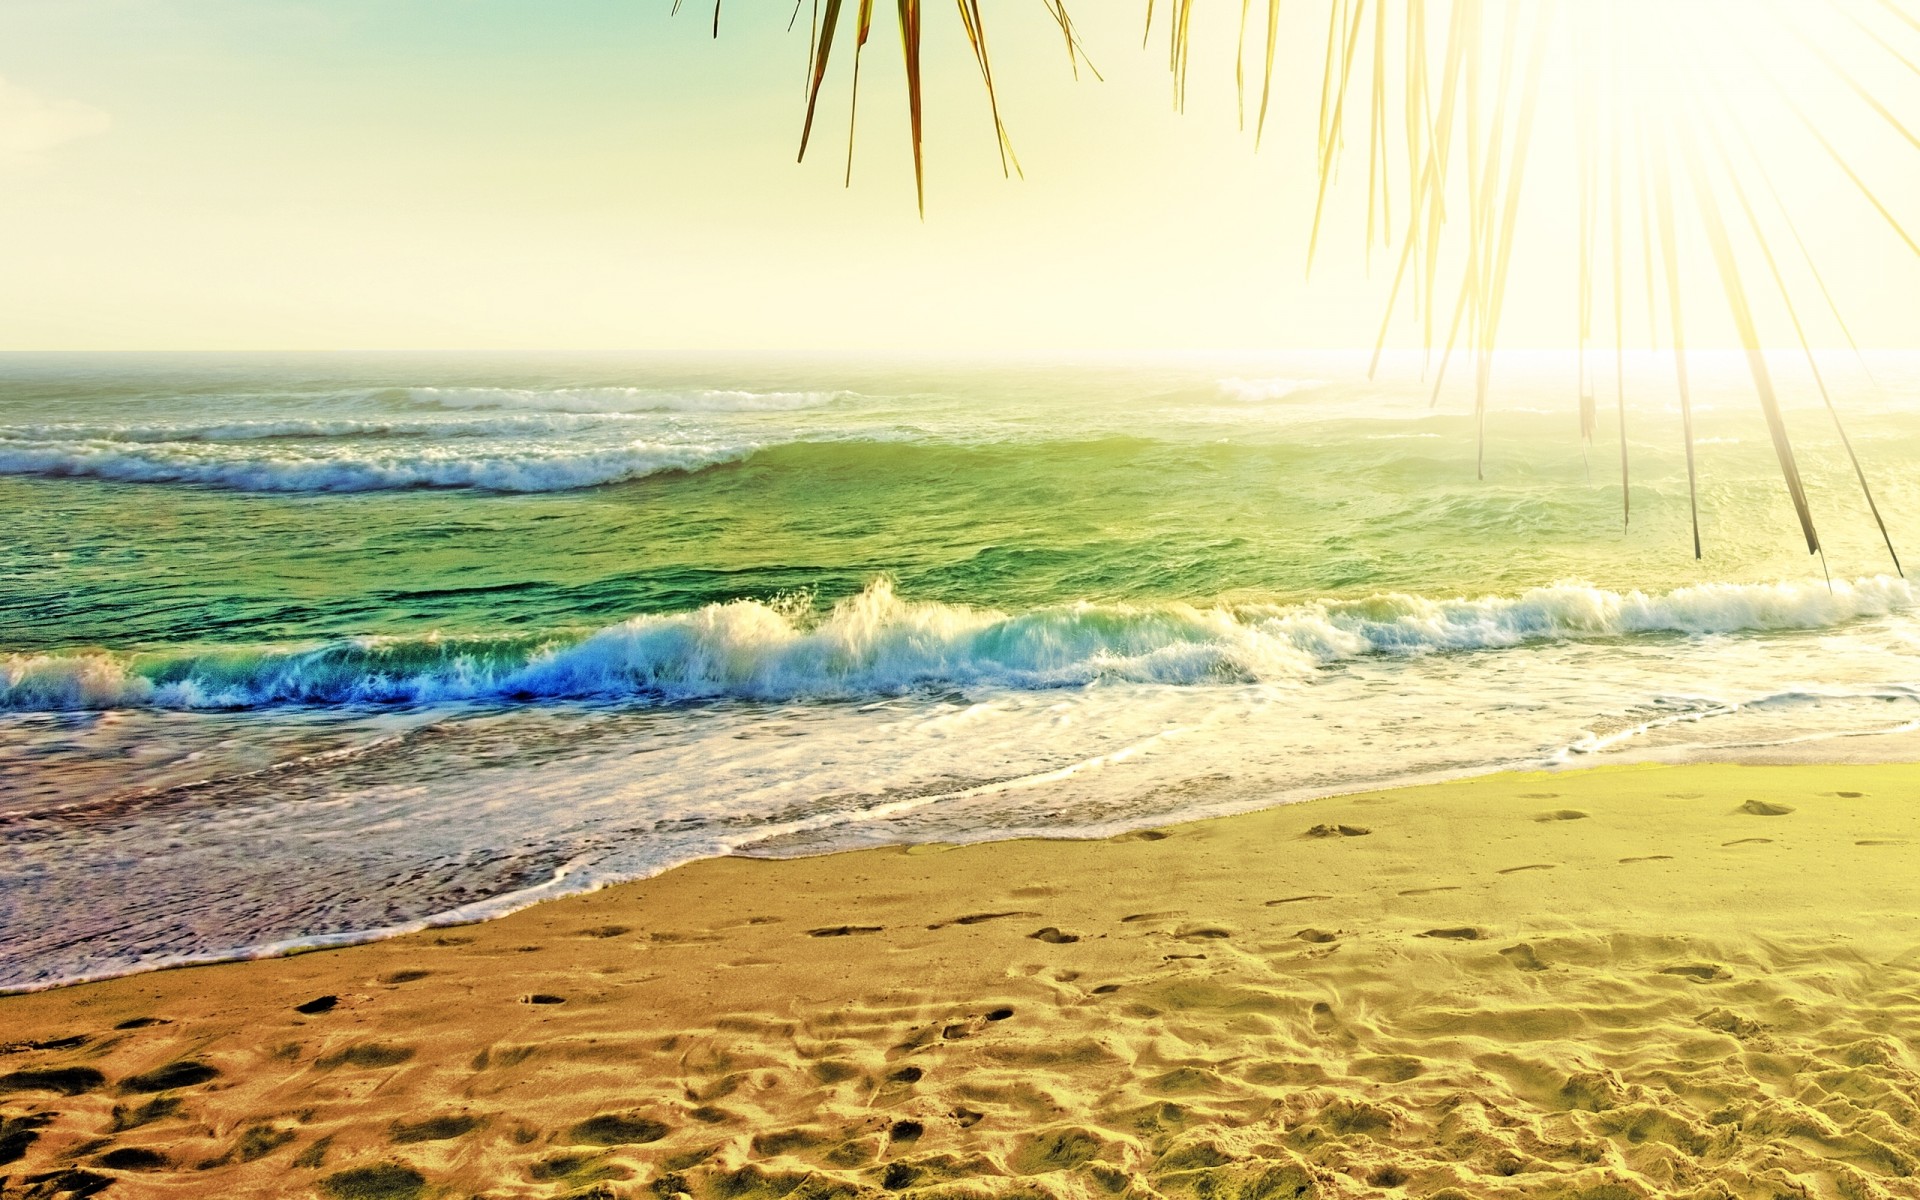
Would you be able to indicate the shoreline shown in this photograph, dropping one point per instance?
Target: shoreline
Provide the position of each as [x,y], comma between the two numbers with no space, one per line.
[1880,746]
[509,903]
[1604,978]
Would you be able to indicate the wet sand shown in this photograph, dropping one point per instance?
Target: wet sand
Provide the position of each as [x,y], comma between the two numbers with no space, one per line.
[1656,981]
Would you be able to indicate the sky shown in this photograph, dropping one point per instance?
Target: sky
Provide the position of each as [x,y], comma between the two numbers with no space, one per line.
[601,174]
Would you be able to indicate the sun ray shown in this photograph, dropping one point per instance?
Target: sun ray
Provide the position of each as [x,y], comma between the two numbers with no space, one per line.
[1631,97]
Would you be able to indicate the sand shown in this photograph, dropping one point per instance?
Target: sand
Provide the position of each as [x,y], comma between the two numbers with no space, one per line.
[1661,981]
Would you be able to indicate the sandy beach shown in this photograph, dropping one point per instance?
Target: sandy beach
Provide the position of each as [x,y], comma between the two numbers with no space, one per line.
[1696,981]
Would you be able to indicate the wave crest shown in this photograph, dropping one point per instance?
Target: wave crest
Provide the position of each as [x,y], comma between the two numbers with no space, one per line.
[517,468]
[620,399]
[876,644]
[1261,391]
[316,428]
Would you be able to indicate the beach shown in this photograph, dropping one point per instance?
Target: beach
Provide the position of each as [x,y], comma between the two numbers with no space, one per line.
[308,649]
[1629,981]
[556,644]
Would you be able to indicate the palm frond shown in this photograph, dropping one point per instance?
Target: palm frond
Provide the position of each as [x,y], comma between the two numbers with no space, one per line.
[1467,134]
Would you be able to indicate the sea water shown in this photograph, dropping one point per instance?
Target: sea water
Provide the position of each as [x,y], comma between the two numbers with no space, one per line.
[304,649]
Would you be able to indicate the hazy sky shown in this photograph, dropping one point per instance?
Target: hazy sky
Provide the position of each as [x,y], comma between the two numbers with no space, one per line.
[309,174]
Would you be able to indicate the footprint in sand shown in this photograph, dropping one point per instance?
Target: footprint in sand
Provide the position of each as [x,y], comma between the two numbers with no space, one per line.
[1699,972]
[370,1055]
[1152,916]
[432,1129]
[1749,842]
[134,1158]
[554,1168]
[1846,795]
[955,1033]
[543,998]
[1462,933]
[1428,891]
[404,976]
[1318,937]
[1562,814]
[1345,831]
[1527,867]
[1523,957]
[980,918]
[1295,900]
[1053,936]
[1764,808]
[603,931]
[383,1180]
[843,930]
[63,1081]
[184,1073]
[1649,858]
[1054,1150]
[900,1176]
[317,1005]
[1106,989]
[143,1022]
[261,1140]
[1721,1021]
[907,1075]
[1192,933]
[617,1129]
[1881,842]
[17,1133]
[966,1027]
[1539,795]
[157,1109]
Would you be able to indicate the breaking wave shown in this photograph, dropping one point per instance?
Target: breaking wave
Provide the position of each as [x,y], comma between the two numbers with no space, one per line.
[311,428]
[620,399]
[877,644]
[348,468]
[1261,391]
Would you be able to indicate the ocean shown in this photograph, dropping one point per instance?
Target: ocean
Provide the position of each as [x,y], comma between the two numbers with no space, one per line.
[304,649]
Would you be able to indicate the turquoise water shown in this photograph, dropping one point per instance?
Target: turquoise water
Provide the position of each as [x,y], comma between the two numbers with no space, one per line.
[295,649]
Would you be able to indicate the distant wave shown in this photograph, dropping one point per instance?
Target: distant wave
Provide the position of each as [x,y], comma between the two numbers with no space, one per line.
[491,457]
[620,399]
[310,428]
[512,468]
[1260,391]
[879,644]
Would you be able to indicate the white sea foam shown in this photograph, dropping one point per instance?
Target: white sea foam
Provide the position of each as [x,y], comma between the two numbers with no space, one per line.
[621,399]
[517,425]
[877,644]
[1261,391]
[350,468]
